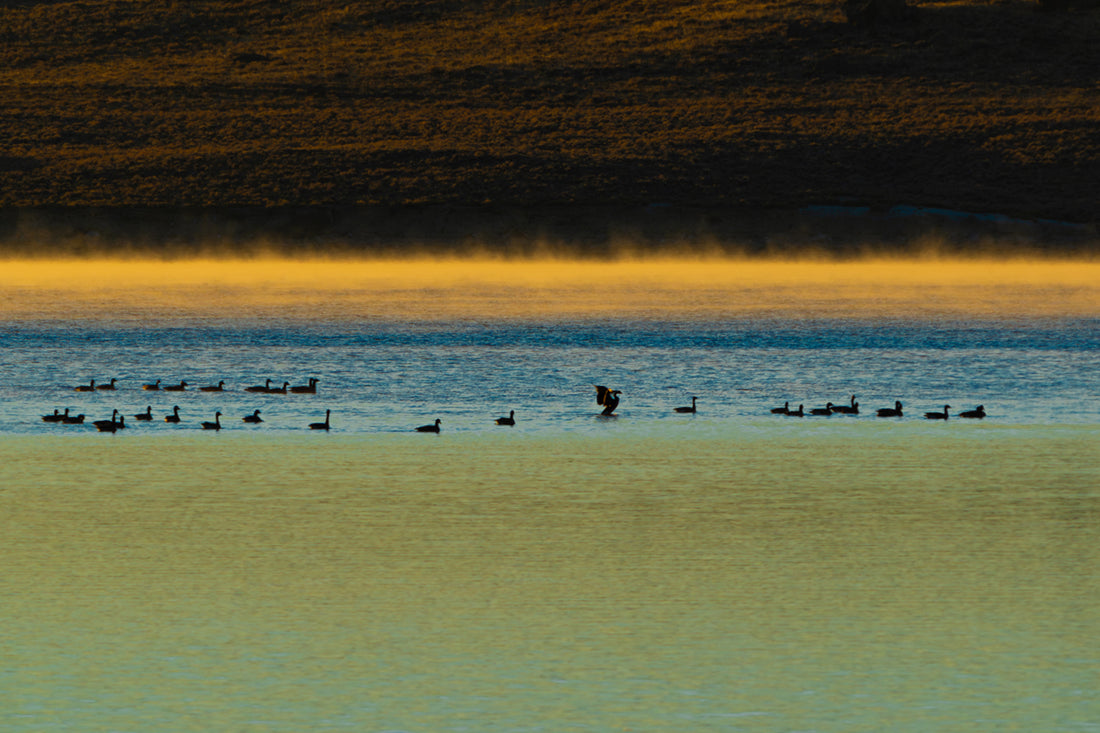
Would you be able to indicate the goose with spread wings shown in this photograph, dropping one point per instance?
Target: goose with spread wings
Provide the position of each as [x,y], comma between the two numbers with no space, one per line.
[608,398]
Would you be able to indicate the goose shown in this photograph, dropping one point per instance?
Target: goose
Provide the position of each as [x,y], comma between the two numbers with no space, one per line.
[321,425]
[90,387]
[510,420]
[978,412]
[56,416]
[68,419]
[796,413]
[852,409]
[279,390]
[107,386]
[894,411]
[937,415]
[154,387]
[147,415]
[259,387]
[310,388]
[687,409]
[784,410]
[216,425]
[254,417]
[175,416]
[220,387]
[107,426]
[609,398]
[433,428]
[176,387]
[826,410]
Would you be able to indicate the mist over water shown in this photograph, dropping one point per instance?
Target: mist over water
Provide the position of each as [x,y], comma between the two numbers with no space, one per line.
[727,570]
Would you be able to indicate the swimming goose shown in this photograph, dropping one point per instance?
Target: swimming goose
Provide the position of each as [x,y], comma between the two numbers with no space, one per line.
[433,428]
[147,415]
[266,386]
[56,416]
[894,411]
[154,387]
[175,416]
[220,387]
[176,387]
[796,413]
[609,398]
[321,425]
[108,426]
[937,415]
[279,390]
[687,409]
[216,425]
[254,417]
[72,419]
[310,388]
[852,409]
[510,420]
[784,410]
[107,386]
[90,387]
[826,410]
[978,412]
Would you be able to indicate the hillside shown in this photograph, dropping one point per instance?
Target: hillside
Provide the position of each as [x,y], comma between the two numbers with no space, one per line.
[726,104]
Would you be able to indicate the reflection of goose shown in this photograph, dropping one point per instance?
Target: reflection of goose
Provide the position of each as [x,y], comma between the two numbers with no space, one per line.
[826,410]
[937,415]
[176,387]
[609,398]
[90,387]
[433,428]
[259,387]
[894,411]
[220,387]
[321,425]
[310,388]
[852,409]
[254,417]
[784,410]
[107,386]
[154,387]
[108,426]
[510,420]
[687,409]
[216,425]
[978,412]
[56,416]
[796,413]
[175,416]
[72,419]
[147,415]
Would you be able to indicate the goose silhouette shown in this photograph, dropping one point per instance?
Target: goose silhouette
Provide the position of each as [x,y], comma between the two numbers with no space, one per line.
[321,425]
[894,411]
[796,413]
[109,426]
[826,410]
[937,415]
[609,398]
[310,388]
[175,416]
[253,418]
[852,409]
[978,412]
[176,387]
[265,387]
[154,387]
[216,425]
[784,410]
[219,387]
[510,420]
[279,390]
[90,387]
[72,419]
[56,416]
[147,415]
[111,385]
[432,428]
[688,409]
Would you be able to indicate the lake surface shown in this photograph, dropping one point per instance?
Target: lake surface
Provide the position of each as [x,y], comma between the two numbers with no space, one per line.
[728,570]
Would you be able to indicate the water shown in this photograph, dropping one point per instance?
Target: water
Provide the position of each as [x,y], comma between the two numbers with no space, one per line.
[729,570]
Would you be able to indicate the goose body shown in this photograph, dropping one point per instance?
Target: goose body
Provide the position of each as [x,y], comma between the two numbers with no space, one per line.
[56,416]
[147,415]
[175,416]
[154,387]
[216,425]
[688,409]
[176,387]
[609,398]
[894,411]
[265,387]
[110,385]
[784,410]
[826,410]
[90,387]
[310,388]
[108,426]
[432,428]
[279,390]
[978,412]
[852,409]
[219,387]
[253,418]
[68,419]
[796,413]
[321,425]
[937,415]
[510,420]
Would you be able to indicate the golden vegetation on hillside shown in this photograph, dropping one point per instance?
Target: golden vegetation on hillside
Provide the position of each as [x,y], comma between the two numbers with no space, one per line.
[986,106]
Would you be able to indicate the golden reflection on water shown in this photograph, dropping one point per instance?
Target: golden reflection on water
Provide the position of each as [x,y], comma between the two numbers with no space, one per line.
[497,288]
[907,582]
